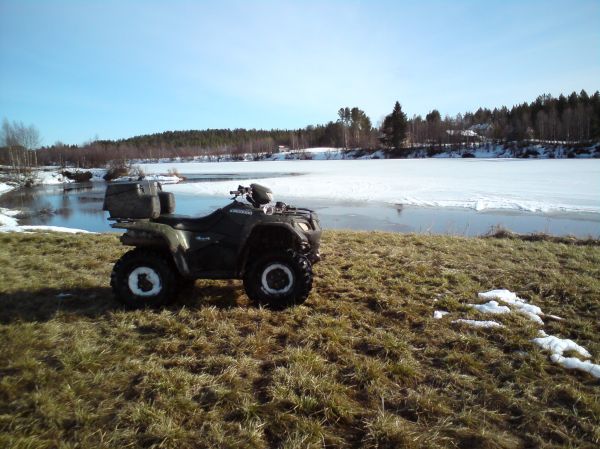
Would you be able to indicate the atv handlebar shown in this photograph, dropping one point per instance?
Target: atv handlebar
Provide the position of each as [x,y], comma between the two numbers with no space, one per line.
[241,190]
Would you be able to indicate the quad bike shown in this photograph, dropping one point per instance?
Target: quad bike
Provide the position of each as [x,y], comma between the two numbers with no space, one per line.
[270,246]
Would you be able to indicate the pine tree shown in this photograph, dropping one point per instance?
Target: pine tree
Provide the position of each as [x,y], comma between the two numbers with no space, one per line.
[344,118]
[394,128]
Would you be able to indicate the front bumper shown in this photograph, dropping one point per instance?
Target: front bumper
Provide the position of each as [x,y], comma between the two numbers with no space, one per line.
[314,257]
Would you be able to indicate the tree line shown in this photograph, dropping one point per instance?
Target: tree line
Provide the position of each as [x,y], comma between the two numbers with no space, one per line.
[570,119]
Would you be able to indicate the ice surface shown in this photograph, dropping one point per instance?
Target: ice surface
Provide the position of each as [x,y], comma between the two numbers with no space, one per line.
[475,323]
[490,307]
[530,185]
[439,314]
[163,179]
[54,229]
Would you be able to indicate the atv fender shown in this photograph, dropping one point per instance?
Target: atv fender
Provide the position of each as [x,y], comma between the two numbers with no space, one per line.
[173,239]
[299,238]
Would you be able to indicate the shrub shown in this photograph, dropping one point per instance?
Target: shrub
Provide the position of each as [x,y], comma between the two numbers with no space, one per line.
[78,176]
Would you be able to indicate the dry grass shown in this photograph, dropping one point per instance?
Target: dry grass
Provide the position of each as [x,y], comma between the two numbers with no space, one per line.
[362,364]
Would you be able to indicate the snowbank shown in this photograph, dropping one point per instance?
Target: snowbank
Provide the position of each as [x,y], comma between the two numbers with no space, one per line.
[545,186]
[51,177]
[7,219]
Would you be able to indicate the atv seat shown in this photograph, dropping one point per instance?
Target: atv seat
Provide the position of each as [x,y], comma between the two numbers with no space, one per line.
[187,223]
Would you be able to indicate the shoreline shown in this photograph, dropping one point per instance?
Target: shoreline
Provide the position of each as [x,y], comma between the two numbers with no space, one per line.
[462,197]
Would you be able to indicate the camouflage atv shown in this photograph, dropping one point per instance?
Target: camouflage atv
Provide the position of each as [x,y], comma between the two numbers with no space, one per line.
[271,247]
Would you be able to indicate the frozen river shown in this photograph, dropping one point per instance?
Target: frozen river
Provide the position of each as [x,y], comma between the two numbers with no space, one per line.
[479,184]
[453,196]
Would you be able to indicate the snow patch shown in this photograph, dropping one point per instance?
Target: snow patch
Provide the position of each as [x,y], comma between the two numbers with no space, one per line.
[558,345]
[529,310]
[555,345]
[490,307]
[574,363]
[439,314]
[475,323]
[501,294]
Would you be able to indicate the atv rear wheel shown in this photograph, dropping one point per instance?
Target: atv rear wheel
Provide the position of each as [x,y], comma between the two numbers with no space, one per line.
[144,278]
[279,279]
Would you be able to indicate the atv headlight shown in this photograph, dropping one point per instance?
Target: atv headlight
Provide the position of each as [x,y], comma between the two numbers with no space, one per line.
[303,226]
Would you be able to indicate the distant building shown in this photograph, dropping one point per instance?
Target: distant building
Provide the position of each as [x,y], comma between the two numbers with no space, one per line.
[462,132]
[482,129]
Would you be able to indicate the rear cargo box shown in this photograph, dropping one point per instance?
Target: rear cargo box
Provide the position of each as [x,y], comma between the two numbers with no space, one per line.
[132,200]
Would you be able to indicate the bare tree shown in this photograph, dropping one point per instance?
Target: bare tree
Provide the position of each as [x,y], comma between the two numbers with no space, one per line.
[21,142]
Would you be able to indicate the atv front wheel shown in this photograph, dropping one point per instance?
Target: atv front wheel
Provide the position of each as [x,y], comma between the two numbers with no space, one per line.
[144,278]
[279,279]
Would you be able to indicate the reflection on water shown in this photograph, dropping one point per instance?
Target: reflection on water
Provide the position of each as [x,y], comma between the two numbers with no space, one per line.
[454,221]
[74,206]
[80,206]
[214,177]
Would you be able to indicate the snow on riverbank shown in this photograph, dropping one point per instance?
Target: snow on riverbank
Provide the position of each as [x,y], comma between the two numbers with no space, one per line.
[545,186]
[9,223]
[163,179]
[8,220]
[5,187]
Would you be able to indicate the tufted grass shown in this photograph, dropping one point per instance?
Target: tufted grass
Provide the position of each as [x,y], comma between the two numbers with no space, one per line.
[361,364]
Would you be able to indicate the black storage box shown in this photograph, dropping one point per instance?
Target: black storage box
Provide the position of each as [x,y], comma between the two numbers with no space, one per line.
[139,199]
[167,202]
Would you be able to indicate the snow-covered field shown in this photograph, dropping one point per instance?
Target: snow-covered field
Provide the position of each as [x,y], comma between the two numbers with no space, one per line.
[545,186]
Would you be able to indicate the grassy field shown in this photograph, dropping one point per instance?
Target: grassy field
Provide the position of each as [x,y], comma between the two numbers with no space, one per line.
[361,364]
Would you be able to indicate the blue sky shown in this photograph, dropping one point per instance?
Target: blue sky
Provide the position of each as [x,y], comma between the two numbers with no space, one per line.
[114,69]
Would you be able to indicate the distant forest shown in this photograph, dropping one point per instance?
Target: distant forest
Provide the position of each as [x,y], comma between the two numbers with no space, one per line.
[572,119]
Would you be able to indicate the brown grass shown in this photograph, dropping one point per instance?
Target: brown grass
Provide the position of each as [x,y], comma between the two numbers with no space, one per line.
[361,364]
